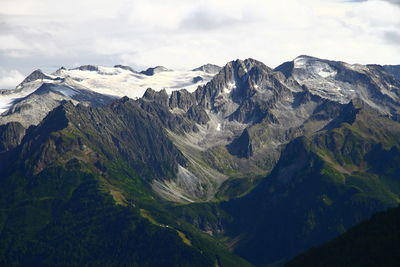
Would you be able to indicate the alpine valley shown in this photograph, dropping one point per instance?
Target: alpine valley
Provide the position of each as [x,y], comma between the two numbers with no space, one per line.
[241,165]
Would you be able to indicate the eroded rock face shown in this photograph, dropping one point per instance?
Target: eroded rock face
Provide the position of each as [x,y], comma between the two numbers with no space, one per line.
[121,130]
[247,109]
[160,97]
[181,99]
[197,114]
[242,90]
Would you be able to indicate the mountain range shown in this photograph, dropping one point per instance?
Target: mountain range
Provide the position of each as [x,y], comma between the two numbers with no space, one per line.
[218,166]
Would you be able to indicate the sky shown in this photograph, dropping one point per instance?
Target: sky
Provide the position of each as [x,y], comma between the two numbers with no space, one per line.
[184,34]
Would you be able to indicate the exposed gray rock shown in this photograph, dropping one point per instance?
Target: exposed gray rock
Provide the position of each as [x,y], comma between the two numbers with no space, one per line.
[182,99]
[121,129]
[242,90]
[197,114]
[160,97]
[156,103]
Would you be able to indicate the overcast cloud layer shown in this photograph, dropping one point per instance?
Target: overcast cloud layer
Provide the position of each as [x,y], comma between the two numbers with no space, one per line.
[188,33]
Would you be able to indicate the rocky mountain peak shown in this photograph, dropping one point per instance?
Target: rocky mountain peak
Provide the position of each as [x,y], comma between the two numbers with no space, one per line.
[341,82]
[36,75]
[160,97]
[241,84]
[233,75]
[307,67]
[182,99]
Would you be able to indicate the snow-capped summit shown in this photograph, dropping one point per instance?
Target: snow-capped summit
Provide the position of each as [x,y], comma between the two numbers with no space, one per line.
[314,67]
[249,79]
[122,80]
[117,81]
[36,75]
[341,82]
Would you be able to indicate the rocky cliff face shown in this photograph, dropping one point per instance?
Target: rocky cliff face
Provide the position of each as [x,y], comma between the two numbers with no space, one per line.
[120,131]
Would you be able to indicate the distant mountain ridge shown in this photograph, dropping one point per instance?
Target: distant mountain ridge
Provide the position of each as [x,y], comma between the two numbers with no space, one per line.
[341,82]
[268,162]
[236,111]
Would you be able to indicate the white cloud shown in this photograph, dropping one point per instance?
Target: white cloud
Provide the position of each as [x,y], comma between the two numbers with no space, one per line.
[9,79]
[187,33]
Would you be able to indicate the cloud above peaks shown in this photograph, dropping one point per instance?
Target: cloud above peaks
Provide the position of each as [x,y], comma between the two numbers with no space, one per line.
[205,20]
[189,33]
[395,2]
[10,78]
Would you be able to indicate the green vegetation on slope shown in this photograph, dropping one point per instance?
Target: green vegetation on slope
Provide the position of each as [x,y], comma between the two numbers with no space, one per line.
[375,242]
[72,196]
[322,185]
[62,219]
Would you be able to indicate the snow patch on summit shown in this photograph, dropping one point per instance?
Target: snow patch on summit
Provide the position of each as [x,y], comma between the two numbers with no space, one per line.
[300,62]
[111,81]
[122,82]
[314,67]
